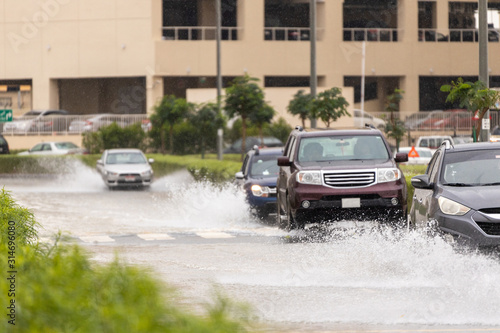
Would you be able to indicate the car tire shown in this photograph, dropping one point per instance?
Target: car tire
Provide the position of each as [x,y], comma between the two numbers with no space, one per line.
[280,221]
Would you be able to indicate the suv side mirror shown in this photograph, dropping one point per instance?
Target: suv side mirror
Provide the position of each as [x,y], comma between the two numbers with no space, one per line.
[283,161]
[421,181]
[401,157]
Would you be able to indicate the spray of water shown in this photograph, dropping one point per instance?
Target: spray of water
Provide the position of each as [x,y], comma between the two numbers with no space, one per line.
[380,277]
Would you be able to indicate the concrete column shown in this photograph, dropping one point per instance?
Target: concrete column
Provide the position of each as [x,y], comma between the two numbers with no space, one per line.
[410,85]
[154,92]
[408,20]
[442,17]
[251,20]
[45,93]
[331,45]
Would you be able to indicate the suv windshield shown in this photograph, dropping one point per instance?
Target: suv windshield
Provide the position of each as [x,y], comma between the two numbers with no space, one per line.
[335,148]
[472,168]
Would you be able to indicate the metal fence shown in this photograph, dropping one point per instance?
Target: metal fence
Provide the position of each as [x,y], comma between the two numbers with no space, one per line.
[70,124]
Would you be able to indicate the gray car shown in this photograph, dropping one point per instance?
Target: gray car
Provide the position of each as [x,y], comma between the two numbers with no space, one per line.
[125,168]
[458,194]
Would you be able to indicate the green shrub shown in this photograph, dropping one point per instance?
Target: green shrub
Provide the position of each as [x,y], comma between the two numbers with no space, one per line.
[16,221]
[114,136]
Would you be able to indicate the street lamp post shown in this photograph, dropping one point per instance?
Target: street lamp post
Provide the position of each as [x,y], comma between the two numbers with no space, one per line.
[312,37]
[219,75]
[483,61]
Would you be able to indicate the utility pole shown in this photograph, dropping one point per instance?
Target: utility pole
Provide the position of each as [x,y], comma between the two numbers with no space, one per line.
[312,37]
[219,76]
[483,62]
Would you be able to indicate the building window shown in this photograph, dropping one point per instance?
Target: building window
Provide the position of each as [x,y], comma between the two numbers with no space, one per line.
[286,21]
[195,20]
[363,22]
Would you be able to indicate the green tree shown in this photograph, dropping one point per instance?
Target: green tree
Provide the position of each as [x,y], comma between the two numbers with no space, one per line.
[262,116]
[474,96]
[301,105]
[395,128]
[243,97]
[207,120]
[329,106]
[168,112]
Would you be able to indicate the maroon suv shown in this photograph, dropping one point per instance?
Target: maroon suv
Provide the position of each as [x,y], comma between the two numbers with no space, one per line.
[339,174]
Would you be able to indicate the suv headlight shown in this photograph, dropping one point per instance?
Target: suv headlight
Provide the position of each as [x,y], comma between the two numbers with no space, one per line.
[309,177]
[451,207]
[388,175]
[260,191]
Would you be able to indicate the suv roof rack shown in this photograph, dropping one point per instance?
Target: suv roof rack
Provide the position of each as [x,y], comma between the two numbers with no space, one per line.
[447,144]
[299,128]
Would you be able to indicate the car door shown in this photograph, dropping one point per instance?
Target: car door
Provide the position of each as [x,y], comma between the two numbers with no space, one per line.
[422,198]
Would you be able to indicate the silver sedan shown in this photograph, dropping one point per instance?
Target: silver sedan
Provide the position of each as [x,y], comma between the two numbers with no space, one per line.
[125,168]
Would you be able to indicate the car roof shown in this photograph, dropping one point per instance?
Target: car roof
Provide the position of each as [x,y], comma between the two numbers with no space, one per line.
[268,151]
[123,150]
[336,132]
[474,146]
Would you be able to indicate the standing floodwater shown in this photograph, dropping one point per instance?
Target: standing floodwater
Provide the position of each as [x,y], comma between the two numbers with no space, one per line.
[313,278]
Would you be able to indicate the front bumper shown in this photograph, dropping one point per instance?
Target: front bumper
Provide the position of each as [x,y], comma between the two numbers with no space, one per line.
[380,201]
[475,228]
[135,180]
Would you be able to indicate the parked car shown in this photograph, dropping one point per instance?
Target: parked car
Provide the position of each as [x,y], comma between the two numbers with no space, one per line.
[423,120]
[125,168]
[257,178]
[417,155]
[458,194]
[433,141]
[38,121]
[95,122]
[54,148]
[361,118]
[339,174]
[4,145]
[252,141]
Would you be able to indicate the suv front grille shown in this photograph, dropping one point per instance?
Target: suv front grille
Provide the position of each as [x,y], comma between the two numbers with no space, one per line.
[349,178]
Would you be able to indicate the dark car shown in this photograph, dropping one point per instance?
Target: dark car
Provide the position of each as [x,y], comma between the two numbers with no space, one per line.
[459,193]
[258,179]
[252,141]
[339,174]
[4,145]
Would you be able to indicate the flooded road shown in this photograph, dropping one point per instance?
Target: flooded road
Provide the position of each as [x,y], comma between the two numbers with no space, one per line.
[199,238]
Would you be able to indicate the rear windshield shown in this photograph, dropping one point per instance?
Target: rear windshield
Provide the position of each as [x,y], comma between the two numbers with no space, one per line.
[335,148]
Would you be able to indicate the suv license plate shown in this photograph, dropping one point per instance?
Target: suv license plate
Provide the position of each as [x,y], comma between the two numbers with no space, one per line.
[351,202]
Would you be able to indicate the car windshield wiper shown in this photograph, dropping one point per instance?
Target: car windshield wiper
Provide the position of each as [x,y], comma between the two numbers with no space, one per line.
[460,184]
[491,184]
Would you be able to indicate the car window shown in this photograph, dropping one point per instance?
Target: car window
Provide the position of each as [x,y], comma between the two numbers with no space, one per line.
[289,146]
[37,147]
[2,141]
[65,145]
[125,158]
[424,143]
[46,147]
[433,166]
[244,165]
[264,166]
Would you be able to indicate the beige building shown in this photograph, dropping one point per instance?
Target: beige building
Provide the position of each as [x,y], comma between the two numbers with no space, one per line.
[122,56]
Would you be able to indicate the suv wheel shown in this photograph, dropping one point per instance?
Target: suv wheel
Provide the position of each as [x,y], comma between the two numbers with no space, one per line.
[292,223]
[281,220]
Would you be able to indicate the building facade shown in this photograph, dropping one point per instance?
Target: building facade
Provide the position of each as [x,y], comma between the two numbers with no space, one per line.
[122,56]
